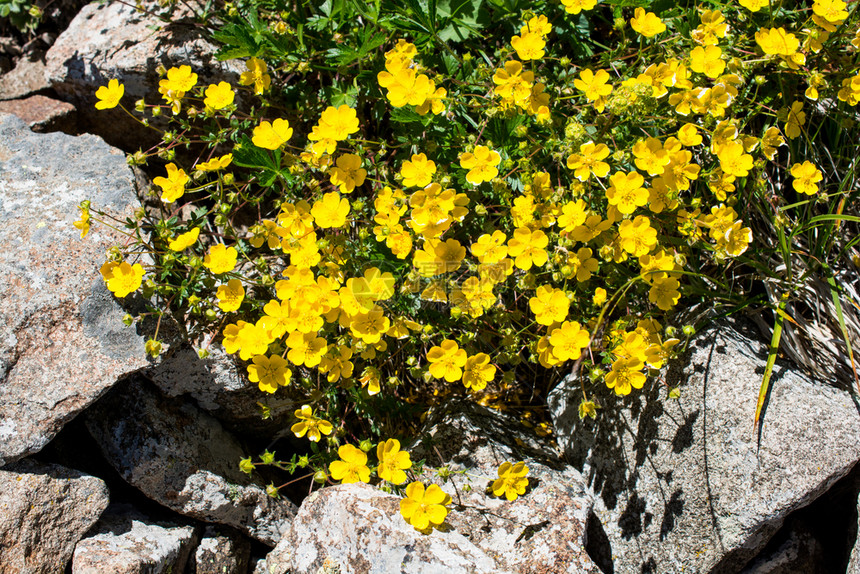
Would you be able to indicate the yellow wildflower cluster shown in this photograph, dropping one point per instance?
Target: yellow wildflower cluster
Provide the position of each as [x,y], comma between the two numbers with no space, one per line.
[515,85]
[352,252]
[405,85]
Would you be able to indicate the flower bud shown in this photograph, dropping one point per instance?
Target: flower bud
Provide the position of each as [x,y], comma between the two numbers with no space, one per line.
[152,348]
[246,466]
[267,457]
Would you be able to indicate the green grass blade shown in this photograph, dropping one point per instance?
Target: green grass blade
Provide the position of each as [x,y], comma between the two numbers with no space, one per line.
[834,294]
[771,358]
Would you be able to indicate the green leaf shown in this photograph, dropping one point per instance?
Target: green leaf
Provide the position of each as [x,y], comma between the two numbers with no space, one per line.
[405,115]
[834,295]
[771,358]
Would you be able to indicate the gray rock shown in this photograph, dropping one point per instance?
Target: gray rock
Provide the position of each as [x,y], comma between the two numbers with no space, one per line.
[543,530]
[62,340]
[221,551]
[43,114]
[184,459]
[687,485]
[800,552]
[357,529]
[84,58]
[127,542]
[220,386]
[44,511]
[26,78]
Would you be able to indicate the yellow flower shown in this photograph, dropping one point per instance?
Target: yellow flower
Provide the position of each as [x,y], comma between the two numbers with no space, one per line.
[664,292]
[110,95]
[770,141]
[796,119]
[549,305]
[392,461]
[577,6]
[529,46]
[172,186]
[421,507]
[528,248]
[220,259]
[626,374]
[647,23]
[776,41]
[482,164]
[594,86]
[370,326]
[582,264]
[734,161]
[306,348]
[83,224]
[122,278]
[447,361]
[737,239]
[478,371]
[850,91]
[754,5]
[599,297]
[712,28]
[637,236]
[539,24]
[269,372]
[831,10]
[309,424]
[184,240]
[370,378]
[256,75]
[405,86]
[806,177]
[650,156]
[589,160]
[179,79]
[512,481]
[331,211]
[490,248]
[707,61]
[272,135]
[689,135]
[216,163]
[335,124]
[437,257]
[230,296]
[568,341]
[352,466]
[339,365]
[626,192]
[219,96]
[513,83]
[418,172]
[348,173]
[246,338]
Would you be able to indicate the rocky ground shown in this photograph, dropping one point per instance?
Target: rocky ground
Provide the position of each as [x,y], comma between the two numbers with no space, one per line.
[110,462]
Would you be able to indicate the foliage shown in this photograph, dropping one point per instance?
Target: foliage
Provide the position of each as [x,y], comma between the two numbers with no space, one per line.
[22,14]
[405,202]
